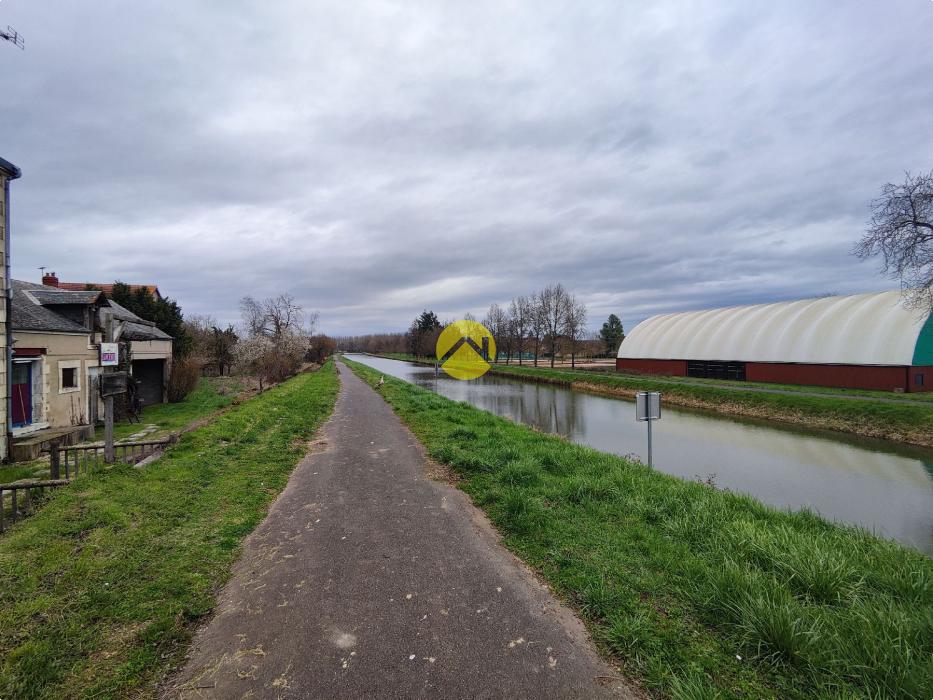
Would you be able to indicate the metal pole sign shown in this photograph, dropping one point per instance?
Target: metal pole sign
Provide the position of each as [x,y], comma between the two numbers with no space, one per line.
[648,409]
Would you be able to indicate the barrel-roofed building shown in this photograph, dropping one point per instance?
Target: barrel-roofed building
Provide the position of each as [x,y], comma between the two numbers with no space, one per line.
[863,341]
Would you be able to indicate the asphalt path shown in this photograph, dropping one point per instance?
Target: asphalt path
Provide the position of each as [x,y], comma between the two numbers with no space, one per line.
[371,577]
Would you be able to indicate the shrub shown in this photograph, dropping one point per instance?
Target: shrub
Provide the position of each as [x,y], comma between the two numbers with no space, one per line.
[183,378]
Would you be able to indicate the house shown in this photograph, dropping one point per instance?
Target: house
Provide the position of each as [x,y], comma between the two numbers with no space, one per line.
[56,364]
[8,173]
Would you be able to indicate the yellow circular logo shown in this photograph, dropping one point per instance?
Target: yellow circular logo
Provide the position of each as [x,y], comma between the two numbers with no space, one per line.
[464,349]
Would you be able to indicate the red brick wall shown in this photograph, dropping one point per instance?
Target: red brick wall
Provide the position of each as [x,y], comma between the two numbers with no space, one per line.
[843,376]
[677,368]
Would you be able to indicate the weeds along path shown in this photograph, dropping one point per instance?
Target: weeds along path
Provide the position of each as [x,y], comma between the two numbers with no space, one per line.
[371,579]
[101,590]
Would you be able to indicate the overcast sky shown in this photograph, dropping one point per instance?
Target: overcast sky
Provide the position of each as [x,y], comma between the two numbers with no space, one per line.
[378,158]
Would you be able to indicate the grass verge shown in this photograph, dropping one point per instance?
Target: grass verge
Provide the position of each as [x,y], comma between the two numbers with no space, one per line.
[100,591]
[893,418]
[210,395]
[698,592]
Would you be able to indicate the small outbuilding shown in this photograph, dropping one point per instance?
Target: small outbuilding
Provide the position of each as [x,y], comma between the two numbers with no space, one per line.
[860,341]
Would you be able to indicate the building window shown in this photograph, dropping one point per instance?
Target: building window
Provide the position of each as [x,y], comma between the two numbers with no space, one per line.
[716,370]
[69,377]
[918,379]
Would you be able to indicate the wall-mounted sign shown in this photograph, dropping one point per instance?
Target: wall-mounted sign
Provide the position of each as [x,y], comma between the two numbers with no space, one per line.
[112,383]
[109,354]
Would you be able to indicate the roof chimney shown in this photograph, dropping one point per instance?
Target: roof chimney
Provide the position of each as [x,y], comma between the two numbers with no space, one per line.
[49,279]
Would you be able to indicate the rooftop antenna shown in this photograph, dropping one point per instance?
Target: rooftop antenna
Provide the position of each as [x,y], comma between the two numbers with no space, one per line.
[14,37]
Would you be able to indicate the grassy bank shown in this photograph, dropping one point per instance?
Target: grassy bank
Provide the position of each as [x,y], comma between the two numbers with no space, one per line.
[210,395]
[699,593]
[897,417]
[101,589]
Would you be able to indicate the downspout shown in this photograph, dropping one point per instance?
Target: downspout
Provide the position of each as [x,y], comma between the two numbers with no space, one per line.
[8,306]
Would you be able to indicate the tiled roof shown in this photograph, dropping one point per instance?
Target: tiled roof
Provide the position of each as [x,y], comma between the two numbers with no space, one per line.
[136,328]
[108,288]
[52,296]
[29,314]
[34,310]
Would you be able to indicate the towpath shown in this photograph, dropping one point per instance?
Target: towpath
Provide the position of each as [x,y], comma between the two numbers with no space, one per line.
[369,578]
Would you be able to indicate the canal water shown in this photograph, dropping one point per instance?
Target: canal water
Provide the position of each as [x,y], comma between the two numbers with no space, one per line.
[878,485]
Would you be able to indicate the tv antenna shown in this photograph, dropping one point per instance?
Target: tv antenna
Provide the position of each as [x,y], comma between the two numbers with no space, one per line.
[14,37]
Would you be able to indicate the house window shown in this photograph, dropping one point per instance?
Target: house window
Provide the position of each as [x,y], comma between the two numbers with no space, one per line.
[918,379]
[69,377]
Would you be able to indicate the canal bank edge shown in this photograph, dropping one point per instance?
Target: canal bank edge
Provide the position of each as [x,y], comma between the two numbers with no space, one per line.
[693,590]
[905,422]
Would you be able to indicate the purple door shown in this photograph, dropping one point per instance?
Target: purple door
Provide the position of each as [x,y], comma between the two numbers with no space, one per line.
[22,394]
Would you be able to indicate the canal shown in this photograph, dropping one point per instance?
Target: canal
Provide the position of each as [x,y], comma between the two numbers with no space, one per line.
[875,484]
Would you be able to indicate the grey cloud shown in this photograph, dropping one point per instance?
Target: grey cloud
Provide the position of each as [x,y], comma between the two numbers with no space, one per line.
[375,159]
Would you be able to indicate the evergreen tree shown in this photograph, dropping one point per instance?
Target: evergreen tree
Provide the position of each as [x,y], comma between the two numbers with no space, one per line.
[163,312]
[612,334]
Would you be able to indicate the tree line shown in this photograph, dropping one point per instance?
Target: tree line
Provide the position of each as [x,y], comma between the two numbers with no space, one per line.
[546,323]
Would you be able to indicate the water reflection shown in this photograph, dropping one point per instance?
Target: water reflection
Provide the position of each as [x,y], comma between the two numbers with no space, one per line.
[871,483]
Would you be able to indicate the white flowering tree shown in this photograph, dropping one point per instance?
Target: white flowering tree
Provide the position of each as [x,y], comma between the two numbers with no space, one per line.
[277,338]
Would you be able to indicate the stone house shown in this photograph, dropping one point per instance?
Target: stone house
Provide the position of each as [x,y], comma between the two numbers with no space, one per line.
[56,364]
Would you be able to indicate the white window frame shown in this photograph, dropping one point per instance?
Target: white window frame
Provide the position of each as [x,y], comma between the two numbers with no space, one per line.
[69,364]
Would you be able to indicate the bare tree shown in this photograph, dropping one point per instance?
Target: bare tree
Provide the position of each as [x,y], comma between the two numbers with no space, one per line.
[553,301]
[520,310]
[537,324]
[901,232]
[275,317]
[574,326]
[496,322]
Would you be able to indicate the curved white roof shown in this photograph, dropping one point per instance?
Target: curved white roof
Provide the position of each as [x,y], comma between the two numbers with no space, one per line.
[862,329]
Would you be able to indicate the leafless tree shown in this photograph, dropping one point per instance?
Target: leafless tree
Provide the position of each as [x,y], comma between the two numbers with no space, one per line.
[275,317]
[536,327]
[574,326]
[520,310]
[901,232]
[553,301]
[496,322]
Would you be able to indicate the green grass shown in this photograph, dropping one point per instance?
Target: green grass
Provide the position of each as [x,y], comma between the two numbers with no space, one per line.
[34,469]
[100,591]
[901,420]
[697,592]
[211,394]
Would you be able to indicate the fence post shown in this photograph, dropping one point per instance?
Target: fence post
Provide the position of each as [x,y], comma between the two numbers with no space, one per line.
[55,460]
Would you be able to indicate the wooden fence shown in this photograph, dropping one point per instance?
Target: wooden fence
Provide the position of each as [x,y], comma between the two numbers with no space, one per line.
[83,459]
[21,507]
[20,498]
